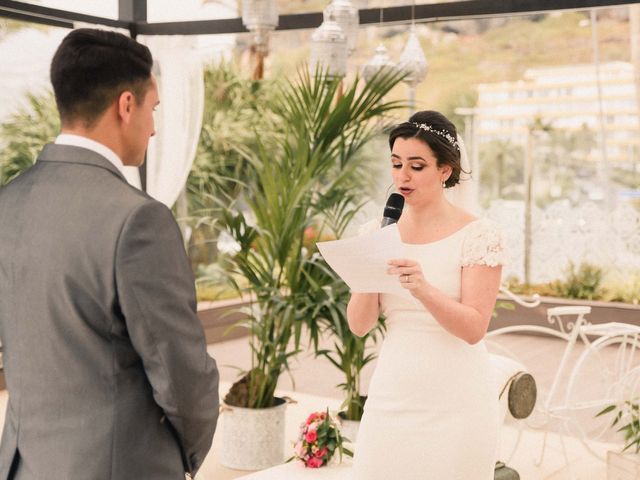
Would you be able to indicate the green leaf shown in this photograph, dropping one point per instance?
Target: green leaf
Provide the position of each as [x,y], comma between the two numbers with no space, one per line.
[606,410]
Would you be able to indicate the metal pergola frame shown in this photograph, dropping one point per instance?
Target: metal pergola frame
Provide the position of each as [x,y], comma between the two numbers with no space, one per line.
[132,15]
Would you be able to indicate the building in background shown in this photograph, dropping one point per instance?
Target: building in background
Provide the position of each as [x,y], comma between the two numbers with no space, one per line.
[565,97]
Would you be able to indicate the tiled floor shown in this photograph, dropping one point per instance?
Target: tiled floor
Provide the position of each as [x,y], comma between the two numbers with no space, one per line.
[315,388]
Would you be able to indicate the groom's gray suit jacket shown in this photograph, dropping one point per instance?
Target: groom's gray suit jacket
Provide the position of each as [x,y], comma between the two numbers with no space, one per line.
[105,359]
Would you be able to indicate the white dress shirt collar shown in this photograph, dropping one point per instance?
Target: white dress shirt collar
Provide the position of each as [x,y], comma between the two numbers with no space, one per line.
[84,142]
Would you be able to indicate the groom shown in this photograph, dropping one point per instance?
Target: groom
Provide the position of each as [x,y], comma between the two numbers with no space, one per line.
[105,360]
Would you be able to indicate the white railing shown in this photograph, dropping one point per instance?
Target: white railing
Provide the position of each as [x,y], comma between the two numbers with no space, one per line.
[563,232]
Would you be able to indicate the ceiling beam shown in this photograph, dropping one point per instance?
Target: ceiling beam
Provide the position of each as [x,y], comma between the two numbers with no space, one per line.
[133,15]
[469,9]
[433,12]
[53,16]
[25,17]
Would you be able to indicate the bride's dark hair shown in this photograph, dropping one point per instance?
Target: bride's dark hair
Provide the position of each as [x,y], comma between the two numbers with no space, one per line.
[439,134]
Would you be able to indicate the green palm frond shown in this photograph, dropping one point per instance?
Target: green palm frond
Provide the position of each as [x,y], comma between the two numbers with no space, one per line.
[302,174]
[25,133]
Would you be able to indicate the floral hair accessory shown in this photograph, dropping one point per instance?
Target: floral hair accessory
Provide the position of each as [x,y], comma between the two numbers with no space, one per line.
[318,441]
[442,133]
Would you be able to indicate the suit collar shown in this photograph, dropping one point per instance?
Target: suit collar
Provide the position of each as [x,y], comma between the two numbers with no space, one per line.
[72,154]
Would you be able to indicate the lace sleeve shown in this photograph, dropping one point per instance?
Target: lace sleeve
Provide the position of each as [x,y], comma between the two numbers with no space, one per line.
[484,245]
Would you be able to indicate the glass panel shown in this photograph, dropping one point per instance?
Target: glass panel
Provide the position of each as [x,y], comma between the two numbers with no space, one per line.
[103,8]
[520,88]
[25,54]
[167,10]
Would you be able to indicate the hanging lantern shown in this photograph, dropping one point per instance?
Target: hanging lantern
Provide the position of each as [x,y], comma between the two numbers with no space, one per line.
[329,48]
[348,18]
[412,60]
[379,61]
[260,17]
[414,65]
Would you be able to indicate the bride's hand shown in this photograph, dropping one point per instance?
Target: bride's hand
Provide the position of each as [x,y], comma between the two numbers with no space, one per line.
[409,274]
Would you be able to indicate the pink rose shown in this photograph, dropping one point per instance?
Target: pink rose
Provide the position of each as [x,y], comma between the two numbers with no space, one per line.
[311,418]
[311,436]
[314,462]
[321,453]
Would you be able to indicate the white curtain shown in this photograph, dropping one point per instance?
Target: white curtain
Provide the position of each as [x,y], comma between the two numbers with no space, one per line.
[178,119]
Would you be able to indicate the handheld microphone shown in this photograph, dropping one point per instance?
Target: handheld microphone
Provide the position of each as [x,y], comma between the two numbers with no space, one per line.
[392,210]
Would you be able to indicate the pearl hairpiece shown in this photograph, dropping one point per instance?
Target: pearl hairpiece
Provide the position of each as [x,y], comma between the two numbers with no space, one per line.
[444,134]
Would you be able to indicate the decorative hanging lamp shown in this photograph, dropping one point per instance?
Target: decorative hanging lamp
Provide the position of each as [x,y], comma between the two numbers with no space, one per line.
[348,18]
[260,17]
[379,61]
[413,64]
[329,48]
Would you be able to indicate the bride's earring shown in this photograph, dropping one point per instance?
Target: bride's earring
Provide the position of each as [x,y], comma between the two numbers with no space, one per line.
[444,184]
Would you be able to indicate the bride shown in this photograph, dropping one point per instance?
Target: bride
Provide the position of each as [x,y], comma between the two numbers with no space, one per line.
[432,411]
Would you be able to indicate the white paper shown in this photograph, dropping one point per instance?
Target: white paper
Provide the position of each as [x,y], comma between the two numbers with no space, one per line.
[362,261]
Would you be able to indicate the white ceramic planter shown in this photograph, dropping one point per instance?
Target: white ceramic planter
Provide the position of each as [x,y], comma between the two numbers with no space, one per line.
[349,428]
[252,438]
[623,466]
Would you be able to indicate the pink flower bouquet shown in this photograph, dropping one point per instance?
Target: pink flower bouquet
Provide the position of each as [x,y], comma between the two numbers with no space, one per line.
[319,439]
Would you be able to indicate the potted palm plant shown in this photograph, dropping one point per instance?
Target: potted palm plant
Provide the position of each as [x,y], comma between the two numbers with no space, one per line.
[25,132]
[298,173]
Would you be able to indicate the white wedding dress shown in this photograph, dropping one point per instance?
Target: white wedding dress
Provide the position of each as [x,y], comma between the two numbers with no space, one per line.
[432,407]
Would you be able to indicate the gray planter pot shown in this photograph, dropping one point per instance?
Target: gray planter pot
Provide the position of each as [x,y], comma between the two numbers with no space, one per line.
[349,428]
[601,312]
[252,438]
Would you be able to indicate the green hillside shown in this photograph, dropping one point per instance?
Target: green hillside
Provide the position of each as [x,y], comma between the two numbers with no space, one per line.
[505,52]
[458,61]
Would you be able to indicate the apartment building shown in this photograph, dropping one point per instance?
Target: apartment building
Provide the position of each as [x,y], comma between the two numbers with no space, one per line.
[567,97]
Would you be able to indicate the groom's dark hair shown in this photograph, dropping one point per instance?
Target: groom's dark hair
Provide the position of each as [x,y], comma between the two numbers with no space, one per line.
[91,68]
